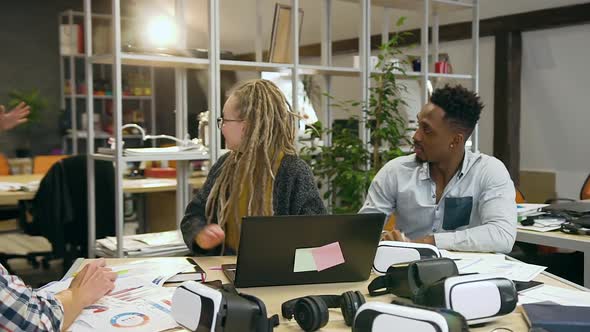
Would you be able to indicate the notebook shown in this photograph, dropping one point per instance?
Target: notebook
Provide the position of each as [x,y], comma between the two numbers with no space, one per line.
[557,318]
[196,273]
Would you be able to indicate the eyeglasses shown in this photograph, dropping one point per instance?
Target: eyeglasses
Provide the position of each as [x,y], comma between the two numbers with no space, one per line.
[221,120]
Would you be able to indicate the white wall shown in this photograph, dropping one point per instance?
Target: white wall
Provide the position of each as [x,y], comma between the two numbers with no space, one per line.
[555,121]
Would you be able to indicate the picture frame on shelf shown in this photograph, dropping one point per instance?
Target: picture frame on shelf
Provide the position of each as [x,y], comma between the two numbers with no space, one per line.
[281,40]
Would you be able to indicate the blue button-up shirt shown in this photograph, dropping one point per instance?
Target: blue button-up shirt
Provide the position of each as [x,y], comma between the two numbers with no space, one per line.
[476,212]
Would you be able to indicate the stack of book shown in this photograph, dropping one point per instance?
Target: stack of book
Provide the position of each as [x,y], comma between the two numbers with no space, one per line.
[144,245]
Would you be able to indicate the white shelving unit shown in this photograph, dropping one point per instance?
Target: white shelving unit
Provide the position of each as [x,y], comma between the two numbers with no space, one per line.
[70,100]
[215,65]
[116,60]
[433,9]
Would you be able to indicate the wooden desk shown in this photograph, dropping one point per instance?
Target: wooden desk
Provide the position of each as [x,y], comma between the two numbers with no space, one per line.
[560,240]
[148,185]
[273,297]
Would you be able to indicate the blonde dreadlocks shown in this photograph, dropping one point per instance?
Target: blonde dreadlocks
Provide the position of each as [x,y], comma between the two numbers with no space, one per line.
[269,132]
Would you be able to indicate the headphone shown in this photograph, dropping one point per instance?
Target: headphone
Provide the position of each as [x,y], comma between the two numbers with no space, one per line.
[311,312]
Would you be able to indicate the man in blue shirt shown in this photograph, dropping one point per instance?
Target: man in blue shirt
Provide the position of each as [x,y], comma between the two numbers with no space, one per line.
[444,194]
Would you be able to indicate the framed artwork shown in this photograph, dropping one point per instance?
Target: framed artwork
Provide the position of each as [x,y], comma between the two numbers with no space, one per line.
[281,40]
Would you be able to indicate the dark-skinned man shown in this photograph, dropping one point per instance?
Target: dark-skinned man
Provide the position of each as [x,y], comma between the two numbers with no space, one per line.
[444,194]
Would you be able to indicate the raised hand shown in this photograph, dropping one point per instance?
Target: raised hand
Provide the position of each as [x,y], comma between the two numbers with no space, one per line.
[210,236]
[15,117]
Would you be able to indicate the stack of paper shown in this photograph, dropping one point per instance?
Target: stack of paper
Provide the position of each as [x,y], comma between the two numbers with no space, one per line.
[495,264]
[144,245]
[525,210]
[137,303]
[555,294]
[190,150]
[544,224]
[18,186]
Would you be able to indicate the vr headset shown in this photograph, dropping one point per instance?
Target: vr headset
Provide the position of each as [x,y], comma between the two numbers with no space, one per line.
[311,312]
[384,317]
[394,252]
[479,298]
[405,280]
[200,308]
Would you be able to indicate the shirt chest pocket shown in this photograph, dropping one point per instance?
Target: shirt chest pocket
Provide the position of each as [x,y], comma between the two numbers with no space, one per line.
[457,212]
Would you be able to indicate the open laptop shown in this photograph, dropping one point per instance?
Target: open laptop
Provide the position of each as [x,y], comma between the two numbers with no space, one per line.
[268,245]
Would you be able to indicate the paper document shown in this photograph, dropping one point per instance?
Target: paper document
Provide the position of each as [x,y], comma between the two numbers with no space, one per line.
[171,149]
[523,210]
[558,295]
[544,224]
[460,255]
[151,312]
[18,186]
[151,244]
[512,270]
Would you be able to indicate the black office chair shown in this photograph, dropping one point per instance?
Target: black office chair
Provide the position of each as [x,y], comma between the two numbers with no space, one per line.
[60,207]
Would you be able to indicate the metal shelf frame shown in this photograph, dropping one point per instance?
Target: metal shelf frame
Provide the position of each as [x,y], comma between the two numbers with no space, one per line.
[215,65]
[71,17]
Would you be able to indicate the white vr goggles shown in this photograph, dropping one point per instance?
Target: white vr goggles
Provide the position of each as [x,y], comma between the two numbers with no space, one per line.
[198,307]
[478,297]
[384,317]
[396,252]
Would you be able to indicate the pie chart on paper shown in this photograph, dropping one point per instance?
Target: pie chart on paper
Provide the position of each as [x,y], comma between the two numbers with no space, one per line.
[129,319]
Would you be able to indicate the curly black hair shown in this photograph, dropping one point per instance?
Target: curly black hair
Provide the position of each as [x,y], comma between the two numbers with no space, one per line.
[462,107]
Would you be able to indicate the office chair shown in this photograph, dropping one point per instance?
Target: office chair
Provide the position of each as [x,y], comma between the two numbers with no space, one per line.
[42,164]
[519,196]
[4,167]
[6,212]
[59,209]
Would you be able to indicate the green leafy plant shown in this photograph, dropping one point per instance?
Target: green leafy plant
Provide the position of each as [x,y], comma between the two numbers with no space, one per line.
[34,99]
[348,165]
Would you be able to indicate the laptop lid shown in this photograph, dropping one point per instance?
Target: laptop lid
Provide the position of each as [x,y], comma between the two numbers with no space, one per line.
[575,208]
[268,245]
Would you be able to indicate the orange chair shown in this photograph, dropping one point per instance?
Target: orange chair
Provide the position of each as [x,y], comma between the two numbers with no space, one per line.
[390,224]
[519,196]
[41,164]
[4,168]
[585,192]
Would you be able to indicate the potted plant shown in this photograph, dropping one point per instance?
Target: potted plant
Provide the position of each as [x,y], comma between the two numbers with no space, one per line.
[37,104]
[347,165]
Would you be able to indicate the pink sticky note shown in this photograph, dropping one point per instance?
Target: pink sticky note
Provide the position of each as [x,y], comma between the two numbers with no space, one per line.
[327,256]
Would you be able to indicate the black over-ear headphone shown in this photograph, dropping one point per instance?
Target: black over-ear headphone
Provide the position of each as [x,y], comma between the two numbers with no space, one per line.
[311,312]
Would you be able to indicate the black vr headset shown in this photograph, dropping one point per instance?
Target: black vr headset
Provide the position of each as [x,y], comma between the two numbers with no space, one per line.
[198,307]
[398,316]
[405,280]
[311,312]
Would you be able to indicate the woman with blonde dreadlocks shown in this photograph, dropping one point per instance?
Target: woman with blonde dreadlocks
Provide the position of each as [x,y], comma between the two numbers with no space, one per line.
[260,176]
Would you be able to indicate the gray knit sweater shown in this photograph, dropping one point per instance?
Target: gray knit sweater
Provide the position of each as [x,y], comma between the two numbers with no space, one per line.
[294,193]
